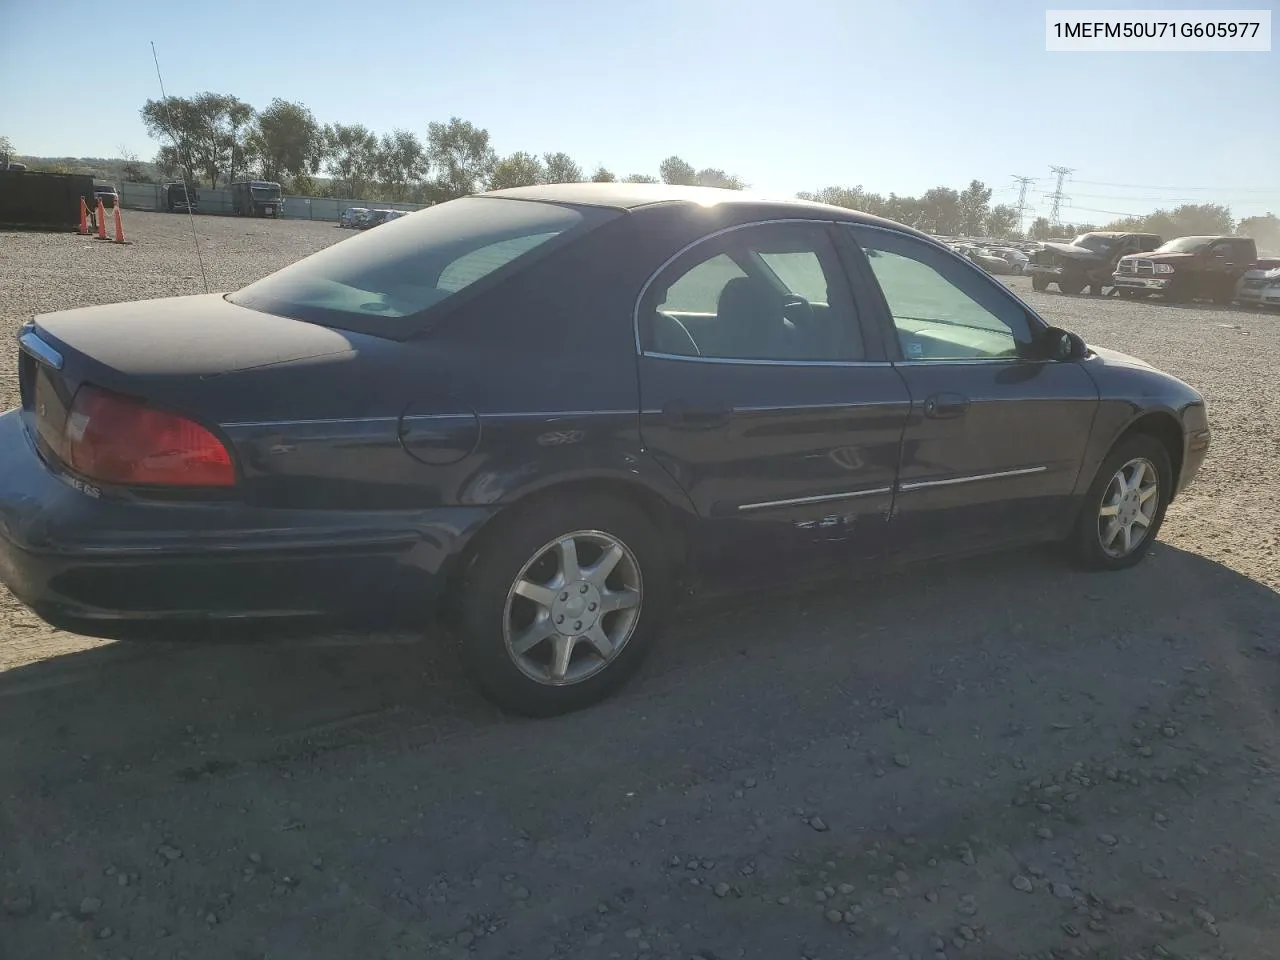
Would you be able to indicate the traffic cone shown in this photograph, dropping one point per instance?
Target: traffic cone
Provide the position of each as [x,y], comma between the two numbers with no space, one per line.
[119,228]
[102,220]
[84,218]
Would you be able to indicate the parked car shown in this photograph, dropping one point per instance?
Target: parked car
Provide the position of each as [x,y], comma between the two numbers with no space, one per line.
[351,217]
[1261,285]
[1013,256]
[1087,261]
[179,198]
[987,260]
[392,426]
[1188,268]
[106,192]
[377,217]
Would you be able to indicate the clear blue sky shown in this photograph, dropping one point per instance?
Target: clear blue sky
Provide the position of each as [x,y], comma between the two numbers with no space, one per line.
[896,95]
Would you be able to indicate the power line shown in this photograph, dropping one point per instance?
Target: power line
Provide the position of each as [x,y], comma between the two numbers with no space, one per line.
[1022,196]
[1148,186]
[1217,198]
[1114,213]
[1057,196]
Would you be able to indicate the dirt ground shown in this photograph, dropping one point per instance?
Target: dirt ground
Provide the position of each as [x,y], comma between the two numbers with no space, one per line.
[990,758]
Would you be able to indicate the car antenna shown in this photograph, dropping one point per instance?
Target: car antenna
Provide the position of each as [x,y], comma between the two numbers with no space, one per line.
[182,170]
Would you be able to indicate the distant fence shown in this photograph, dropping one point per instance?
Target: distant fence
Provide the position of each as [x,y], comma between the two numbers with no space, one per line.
[150,196]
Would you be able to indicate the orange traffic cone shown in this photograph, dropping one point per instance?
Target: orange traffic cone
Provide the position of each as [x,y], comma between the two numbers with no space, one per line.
[101,217]
[119,228]
[84,218]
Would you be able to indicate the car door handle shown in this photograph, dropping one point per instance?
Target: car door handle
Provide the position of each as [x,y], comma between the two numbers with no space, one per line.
[695,419]
[943,406]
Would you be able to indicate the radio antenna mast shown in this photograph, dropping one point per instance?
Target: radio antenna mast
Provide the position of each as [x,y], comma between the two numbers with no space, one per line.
[182,168]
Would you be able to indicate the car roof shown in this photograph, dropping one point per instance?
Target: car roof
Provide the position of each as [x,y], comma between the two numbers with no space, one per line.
[632,196]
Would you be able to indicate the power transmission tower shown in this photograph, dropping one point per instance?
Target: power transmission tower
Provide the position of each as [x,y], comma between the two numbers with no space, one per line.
[1057,196]
[1023,182]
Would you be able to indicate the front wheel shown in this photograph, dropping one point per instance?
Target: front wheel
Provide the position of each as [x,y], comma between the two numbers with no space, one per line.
[1070,285]
[1125,505]
[558,608]
[1039,282]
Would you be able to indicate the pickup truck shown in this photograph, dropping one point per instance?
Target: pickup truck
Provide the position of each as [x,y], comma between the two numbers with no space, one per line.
[1087,261]
[1188,268]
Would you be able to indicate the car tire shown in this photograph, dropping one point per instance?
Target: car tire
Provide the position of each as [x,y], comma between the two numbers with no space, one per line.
[496,617]
[1039,282]
[1139,457]
[1070,285]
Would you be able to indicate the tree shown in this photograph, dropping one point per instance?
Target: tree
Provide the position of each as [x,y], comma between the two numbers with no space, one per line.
[207,133]
[560,168]
[939,212]
[711,177]
[677,172]
[851,198]
[518,170]
[973,205]
[6,149]
[639,178]
[908,210]
[1265,231]
[399,161]
[1041,229]
[286,140]
[602,176]
[131,169]
[351,155]
[1002,221]
[461,152]
[1188,220]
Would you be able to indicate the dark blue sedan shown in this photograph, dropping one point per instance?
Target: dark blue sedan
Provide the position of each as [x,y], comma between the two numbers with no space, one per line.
[544,413]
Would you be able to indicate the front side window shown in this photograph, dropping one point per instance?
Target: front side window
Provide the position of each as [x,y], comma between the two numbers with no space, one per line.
[942,309]
[384,280]
[1094,241]
[1185,245]
[769,292]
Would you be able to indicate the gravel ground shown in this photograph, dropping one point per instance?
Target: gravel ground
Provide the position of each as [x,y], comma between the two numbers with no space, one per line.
[994,758]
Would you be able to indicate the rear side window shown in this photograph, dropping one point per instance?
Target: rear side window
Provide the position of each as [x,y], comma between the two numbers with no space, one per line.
[385,281]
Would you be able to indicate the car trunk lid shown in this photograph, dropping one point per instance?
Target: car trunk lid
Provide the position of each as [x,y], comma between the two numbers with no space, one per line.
[198,356]
[198,336]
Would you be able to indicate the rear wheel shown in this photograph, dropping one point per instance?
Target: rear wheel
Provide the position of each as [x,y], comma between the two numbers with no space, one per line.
[1125,505]
[557,611]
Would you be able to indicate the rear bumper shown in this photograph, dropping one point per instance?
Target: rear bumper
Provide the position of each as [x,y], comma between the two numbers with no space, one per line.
[100,566]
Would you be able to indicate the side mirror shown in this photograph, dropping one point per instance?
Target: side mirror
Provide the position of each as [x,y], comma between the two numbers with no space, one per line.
[1062,345]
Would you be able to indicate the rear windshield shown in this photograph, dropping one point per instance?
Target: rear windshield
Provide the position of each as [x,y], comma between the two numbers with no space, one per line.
[383,281]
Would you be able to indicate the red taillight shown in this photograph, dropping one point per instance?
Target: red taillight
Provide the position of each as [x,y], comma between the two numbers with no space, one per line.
[116,439]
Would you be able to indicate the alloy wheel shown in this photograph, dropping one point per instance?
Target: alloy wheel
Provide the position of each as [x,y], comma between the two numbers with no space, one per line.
[573,607]
[1128,508]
